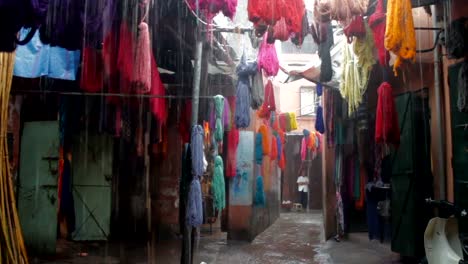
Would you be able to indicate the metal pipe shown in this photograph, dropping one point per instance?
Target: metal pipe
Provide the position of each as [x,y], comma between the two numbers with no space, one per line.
[440,158]
[196,82]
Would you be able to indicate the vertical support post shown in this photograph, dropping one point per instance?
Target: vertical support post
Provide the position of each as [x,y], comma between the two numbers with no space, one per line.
[148,190]
[438,112]
[189,232]
[196,82]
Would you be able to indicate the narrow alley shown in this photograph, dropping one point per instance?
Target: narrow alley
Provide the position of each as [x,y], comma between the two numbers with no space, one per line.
[233,131]
[295,238]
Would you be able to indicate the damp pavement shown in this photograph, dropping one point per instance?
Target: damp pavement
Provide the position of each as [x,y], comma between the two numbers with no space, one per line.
[295,238]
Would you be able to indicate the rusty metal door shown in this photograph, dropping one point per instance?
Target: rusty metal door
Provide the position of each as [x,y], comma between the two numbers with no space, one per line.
[92,182]
[38,175]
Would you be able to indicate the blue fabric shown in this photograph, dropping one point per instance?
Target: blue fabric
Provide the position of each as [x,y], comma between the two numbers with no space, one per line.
[194,214]
[319,89]
[244,72]
[279,147]
[319,123]
[196,147]
[373,219]
[35,59]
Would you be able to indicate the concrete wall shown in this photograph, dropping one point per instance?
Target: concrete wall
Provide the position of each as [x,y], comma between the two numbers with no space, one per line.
[165,177]
[246,221]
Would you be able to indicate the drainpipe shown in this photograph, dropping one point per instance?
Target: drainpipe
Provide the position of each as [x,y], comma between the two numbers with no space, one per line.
[438,112]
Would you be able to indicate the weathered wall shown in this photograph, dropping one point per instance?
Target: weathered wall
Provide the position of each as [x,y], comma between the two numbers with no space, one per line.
[245,220]
[165,176]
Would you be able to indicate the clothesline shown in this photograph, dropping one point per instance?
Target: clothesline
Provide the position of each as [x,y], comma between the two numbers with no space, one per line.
[107,94]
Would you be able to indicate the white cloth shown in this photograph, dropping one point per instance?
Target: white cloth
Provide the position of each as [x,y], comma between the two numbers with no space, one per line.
[303,188]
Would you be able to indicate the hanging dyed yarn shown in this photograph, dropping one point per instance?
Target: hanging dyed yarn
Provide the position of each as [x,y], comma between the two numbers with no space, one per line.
[319,89]
[227,118]
[288,122]
[344,10]
[400,36]
[299,37]
[233,142]
[269,104]
[194,211]
[267,58]
[356,70]
[294,11]
[263,130]
[219,110]
[280,30]
[322,32]
[319,123]
[142,66]
[266,11]
[303,149]
[196,146]
[258,91]
[282,160]
[293,121]
[355,29]
[218,186]
[377,23]
[273,148]
[258,148]
[364,50]
[279,147]
[387,129]
[245,71]
[282,121]
[259,192]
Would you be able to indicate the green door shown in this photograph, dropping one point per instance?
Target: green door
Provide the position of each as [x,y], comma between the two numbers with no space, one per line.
[411,175]
[92,178]
[402,189]
[37,195]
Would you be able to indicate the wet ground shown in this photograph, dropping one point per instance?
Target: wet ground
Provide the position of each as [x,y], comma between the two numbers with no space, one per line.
[295,238]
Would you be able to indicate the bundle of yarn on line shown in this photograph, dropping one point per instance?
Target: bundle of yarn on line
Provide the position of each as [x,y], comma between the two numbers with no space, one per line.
[218,186]
[319,123]
[344,10]
[377,22]
[400,37]
[194,210]
[196,146]
[245,70]
[263,130]
[219,110]
[268,58]
[387,129]
[142,69]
